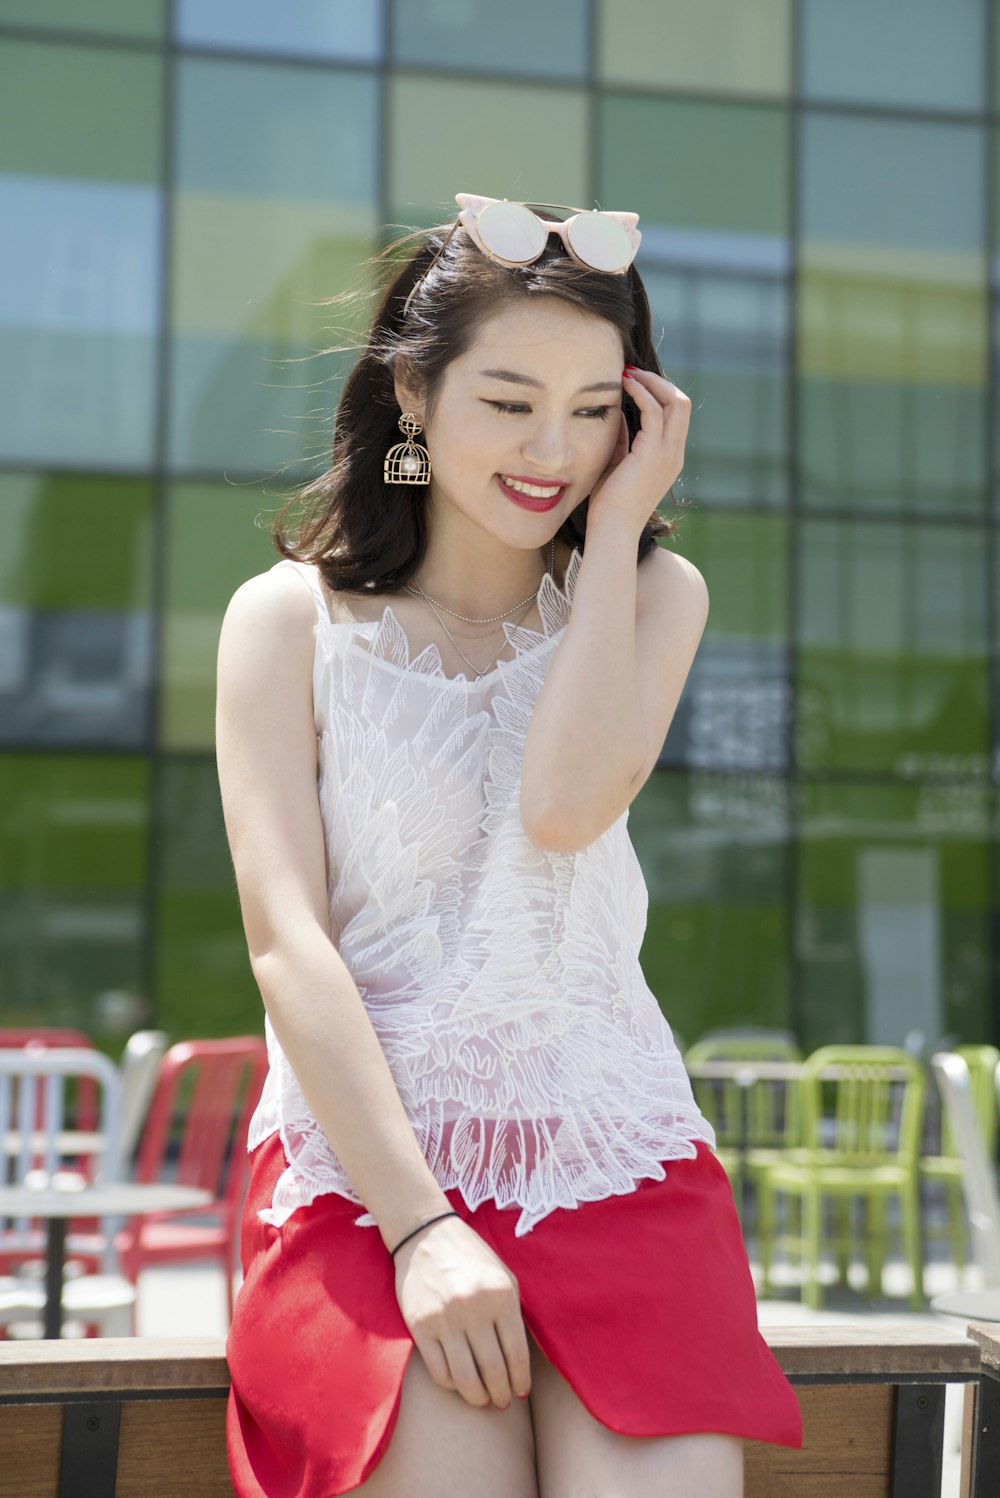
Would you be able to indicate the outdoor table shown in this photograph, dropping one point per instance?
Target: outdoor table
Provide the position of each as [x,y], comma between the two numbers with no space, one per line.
[98,1199]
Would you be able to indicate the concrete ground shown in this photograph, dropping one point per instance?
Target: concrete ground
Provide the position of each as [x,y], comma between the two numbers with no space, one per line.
[190,1301]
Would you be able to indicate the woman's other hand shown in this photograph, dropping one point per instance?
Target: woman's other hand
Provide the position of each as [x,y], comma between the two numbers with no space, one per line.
[462,1306]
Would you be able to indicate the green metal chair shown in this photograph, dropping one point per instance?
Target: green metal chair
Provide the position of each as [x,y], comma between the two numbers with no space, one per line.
[946,1167]
[862,1114]
[772,1106]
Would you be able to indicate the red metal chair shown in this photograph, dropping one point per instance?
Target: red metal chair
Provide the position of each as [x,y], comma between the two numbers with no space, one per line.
[206,1092]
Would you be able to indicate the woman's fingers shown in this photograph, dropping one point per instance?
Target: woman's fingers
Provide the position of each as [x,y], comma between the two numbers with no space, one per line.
[433,1354]
[464,1371]
[657,397]
[492,1364]
[513,1341]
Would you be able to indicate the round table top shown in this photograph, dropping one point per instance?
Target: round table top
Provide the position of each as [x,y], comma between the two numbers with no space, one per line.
[100,1199]
[970,1305]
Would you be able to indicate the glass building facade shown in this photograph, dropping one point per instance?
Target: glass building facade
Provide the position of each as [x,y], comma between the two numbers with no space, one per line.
[180,187]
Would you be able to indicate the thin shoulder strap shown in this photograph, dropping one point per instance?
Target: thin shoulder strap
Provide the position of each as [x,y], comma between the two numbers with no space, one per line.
[310,573]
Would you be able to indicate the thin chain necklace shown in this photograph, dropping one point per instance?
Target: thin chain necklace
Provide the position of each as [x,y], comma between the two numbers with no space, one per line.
[492,618]
[524,605]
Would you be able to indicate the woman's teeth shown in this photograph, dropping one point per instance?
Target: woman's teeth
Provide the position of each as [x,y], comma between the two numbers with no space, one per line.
[534,491]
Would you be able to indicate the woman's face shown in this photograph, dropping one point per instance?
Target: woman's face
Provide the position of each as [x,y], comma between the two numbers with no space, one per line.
[546,427]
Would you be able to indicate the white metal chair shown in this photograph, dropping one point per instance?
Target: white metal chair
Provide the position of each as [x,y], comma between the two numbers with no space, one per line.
[980,1187]
[139,1065]
[34,1085]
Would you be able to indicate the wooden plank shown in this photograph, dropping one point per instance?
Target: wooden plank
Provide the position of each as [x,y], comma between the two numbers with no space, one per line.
[847,1447]
[876,1349]
[105,1364]
[30,1437]
[178,1446]
[968,1416]
[986,1335]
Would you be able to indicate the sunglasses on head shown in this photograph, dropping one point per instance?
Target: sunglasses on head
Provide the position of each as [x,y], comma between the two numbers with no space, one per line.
[512,234]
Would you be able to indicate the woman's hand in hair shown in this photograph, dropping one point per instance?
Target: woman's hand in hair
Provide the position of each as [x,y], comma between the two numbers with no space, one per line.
[462,1306]
[634,483]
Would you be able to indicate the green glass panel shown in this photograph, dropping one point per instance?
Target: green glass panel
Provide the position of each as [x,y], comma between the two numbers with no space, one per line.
[268,129]
[483,36]
[892,648]
[75,604]
[75,541]
[733,710]
[73,849]
[713,851]
[62,111]
[915,53]
[887,444]
[131,18]
[743,48]
[893,325]
[892,932]
[217,537]
[725,344]
[725,166]
[517,141]
[204,984]
[744,559]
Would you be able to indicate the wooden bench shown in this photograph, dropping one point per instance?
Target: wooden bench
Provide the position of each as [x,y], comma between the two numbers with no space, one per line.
[145,1418]
[872,1397]
[114,1417]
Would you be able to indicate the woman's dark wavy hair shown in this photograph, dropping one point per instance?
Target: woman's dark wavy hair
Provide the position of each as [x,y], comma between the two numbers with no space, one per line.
[365,534]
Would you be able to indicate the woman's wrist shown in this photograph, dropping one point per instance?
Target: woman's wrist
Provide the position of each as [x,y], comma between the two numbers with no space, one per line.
[408,1237]
[410,1214]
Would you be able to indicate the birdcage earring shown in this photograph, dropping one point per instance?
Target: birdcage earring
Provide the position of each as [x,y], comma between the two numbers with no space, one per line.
[407,462]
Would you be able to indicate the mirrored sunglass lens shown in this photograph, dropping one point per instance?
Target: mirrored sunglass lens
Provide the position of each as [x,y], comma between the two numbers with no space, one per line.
[512,232]
[601,241]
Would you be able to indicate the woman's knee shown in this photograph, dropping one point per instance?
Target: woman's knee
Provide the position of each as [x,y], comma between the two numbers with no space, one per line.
[443,1447]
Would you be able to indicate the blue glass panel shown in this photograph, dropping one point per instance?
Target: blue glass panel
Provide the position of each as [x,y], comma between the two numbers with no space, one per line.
[322,28]
[907,52]
[79,263]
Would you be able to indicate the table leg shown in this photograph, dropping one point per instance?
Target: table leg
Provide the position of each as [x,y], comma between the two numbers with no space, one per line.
[55,1254]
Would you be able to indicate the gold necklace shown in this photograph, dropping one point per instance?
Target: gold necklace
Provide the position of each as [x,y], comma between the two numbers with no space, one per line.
[523,606]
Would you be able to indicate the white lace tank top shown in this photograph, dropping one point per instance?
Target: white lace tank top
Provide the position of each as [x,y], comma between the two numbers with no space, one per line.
[503,981]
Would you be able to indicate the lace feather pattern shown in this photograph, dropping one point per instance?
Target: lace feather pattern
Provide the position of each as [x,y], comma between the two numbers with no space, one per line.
[503,981]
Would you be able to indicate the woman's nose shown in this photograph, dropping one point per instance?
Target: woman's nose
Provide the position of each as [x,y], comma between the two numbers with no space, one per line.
[549,448]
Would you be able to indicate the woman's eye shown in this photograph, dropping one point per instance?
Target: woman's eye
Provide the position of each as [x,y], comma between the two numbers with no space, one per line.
[508,407]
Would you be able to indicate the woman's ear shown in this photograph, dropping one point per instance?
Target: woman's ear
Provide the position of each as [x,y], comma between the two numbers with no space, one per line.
[406,393]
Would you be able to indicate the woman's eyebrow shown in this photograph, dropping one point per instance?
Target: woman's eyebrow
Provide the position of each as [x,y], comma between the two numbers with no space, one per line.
[521,379]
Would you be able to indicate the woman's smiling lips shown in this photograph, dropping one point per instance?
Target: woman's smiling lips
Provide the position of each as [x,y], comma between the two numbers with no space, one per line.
[529,501]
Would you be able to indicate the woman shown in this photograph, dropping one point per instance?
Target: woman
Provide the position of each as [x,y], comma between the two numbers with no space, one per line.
[477,1168]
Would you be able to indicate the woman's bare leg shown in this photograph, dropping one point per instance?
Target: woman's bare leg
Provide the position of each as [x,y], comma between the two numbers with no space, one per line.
[578,1457]
[443,1447]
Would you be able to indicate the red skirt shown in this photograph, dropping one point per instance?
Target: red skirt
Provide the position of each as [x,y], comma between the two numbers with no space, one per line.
[643,1302]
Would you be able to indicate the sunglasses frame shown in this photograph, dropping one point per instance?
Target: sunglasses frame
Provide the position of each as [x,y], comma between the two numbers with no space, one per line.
[550,225]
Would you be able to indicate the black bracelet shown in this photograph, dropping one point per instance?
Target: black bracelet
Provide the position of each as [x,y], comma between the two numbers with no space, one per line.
[395,1251]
